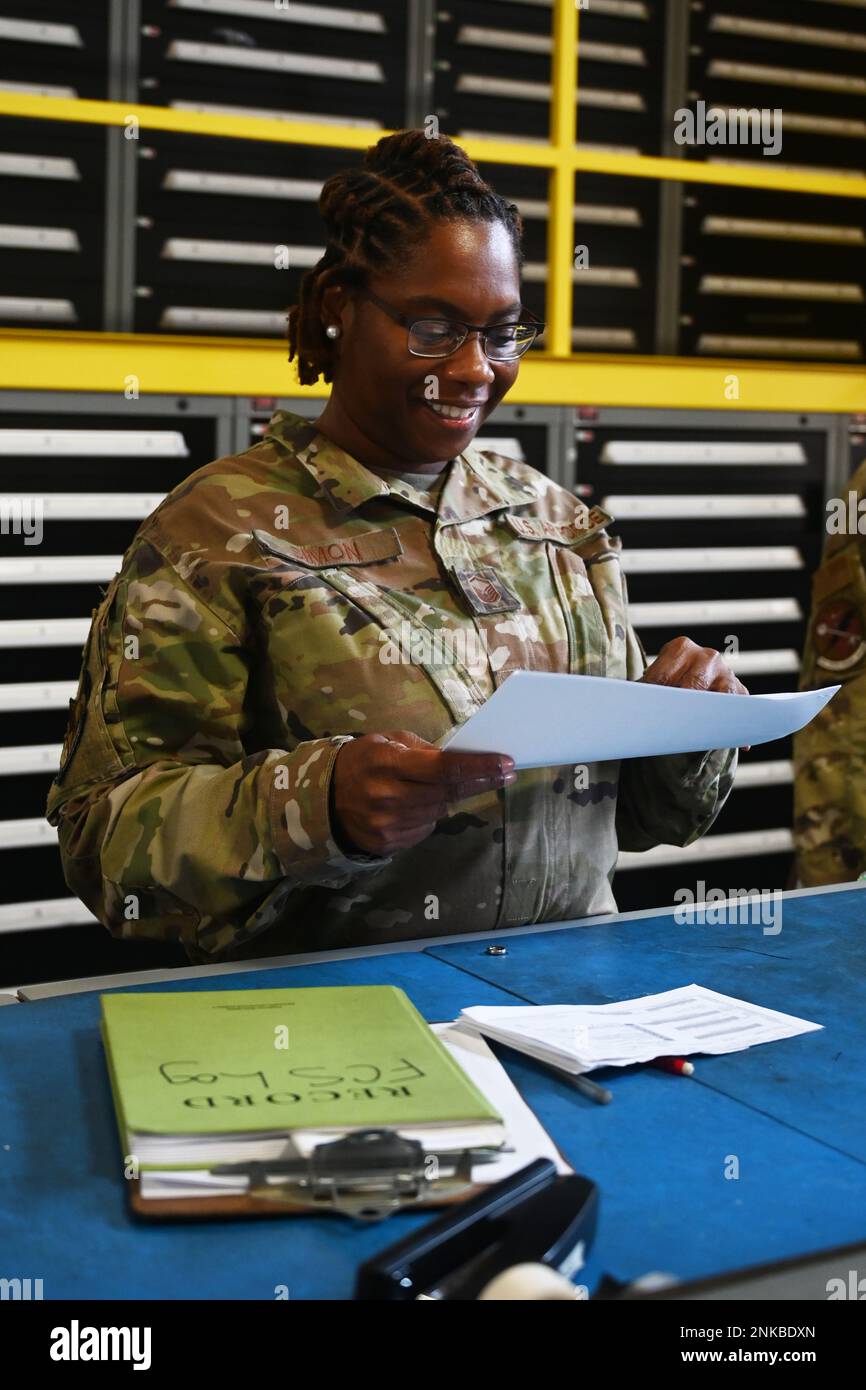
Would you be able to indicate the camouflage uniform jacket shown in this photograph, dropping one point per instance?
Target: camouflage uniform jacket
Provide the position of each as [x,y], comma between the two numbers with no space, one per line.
[287,595]
[830,753]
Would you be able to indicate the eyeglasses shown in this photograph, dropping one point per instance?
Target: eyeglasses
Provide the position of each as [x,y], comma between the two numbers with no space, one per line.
[502,342]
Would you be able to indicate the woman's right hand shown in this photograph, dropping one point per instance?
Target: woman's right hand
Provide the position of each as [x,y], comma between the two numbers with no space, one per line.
[389,790]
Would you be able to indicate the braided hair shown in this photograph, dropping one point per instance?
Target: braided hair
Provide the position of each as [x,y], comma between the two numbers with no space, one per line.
[376,214]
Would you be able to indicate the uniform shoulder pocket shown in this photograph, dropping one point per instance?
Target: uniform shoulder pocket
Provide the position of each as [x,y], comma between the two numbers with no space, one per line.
[603,558]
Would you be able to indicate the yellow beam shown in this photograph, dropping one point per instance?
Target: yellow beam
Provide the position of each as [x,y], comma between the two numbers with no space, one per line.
[206,123]
[135,118]
[537,154]
[563,75]
[560,223]
[38,360]
[517,152]
[644,166]
[684,383]
[146,364]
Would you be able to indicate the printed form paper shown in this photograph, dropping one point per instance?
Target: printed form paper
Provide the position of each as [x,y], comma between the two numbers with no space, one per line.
[580,1037]
[545,719]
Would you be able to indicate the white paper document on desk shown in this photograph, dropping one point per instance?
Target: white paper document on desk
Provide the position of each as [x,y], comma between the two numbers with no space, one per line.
[580,1037]
[544,719]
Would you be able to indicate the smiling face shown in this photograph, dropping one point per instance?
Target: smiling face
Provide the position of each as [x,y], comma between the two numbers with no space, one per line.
[382,400]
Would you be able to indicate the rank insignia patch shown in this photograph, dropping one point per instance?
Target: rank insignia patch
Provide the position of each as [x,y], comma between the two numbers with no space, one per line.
[484,590]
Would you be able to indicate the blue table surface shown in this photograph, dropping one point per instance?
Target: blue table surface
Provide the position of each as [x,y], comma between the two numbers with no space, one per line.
[789,1116]
[814,967]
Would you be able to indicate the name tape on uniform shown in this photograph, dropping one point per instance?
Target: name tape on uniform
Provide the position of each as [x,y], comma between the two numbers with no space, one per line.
[365,549]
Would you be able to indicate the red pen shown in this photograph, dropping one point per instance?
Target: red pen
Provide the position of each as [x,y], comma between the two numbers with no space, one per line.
[676,1065]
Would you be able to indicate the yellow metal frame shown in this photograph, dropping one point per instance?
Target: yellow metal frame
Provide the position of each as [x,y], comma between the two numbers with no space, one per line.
[76,361]
[153,363]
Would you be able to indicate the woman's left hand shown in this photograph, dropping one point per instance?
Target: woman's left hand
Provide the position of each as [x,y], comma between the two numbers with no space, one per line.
[683,663]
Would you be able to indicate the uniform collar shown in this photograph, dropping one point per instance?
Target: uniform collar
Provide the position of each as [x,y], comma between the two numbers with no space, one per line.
[345,481]
[475,485]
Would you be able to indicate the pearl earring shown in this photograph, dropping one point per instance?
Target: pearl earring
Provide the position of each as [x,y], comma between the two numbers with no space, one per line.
[332,331]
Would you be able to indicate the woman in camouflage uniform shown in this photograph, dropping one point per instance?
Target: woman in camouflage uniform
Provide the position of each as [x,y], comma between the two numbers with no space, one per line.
[250,766]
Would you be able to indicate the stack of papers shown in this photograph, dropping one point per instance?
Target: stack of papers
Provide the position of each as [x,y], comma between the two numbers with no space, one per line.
[579,1037]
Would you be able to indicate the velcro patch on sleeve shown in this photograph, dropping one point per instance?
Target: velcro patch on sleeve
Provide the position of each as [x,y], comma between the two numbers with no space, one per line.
[839,636]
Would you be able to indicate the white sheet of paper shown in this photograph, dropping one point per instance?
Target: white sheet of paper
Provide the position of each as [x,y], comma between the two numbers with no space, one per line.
[545,719]
[524,1133]
[674,1023]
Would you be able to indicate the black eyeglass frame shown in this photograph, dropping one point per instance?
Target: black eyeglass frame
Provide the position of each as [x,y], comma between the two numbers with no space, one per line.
[483,328]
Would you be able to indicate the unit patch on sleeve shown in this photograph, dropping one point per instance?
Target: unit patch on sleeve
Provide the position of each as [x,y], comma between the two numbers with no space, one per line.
[839,635]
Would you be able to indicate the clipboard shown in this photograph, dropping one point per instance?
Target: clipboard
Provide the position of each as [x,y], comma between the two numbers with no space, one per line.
[404,1156]
[368,1175]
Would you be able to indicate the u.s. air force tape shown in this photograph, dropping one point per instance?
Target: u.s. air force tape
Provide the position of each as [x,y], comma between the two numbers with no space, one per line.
[538,528]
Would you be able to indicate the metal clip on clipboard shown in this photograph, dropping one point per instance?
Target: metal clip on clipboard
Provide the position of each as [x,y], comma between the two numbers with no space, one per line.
[367,1174]
[534,1216]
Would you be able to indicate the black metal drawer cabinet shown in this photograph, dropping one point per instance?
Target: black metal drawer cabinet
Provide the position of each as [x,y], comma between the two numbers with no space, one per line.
[86,469]
[722,519]
[52,224]
[773,275]
[803,58]
[492,71]
[296,61]
[53,48]
[51,173]
[225,231]
[776,274]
